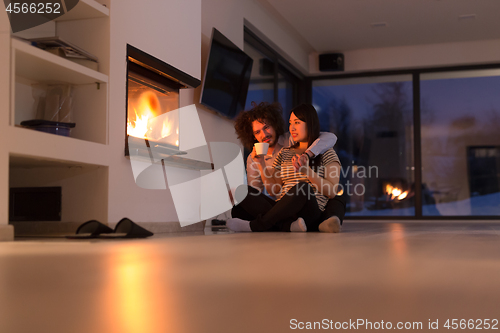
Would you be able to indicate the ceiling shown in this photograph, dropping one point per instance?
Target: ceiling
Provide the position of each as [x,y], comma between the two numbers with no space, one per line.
[344,25]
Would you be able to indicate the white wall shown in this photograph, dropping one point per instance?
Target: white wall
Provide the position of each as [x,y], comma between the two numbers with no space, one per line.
[416,56]
[170,31]
[229,17]
[4,116]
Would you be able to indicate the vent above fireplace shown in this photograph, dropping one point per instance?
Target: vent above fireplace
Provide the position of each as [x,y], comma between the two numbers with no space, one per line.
[160,67]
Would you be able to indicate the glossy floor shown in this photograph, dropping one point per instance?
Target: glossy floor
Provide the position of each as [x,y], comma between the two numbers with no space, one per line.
[391,272]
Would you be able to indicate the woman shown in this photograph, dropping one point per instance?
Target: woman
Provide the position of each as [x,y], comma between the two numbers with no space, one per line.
[302,188]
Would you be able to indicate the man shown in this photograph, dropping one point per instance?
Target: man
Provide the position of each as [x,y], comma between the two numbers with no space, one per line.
[264,123]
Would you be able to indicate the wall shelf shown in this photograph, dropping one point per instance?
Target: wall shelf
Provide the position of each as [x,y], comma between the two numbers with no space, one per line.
[38,65]
[50,147]
[85,9]
[84,185]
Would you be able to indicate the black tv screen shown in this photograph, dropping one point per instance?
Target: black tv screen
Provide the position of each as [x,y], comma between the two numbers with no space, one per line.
[227,77]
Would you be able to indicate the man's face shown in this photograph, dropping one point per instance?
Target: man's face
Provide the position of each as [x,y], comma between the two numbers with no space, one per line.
[264,133]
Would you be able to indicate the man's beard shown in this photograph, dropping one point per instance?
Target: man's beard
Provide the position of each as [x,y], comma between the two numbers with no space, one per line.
[271,142]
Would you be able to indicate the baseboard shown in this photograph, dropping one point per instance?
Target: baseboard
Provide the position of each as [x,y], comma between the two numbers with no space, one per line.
[57,229]
[6,233]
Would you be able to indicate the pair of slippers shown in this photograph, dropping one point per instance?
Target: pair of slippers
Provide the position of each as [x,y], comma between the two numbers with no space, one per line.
[126,228]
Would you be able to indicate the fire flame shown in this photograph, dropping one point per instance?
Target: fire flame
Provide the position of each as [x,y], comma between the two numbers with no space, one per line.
[395,193]
[139,127]
[147,119]
[149,107]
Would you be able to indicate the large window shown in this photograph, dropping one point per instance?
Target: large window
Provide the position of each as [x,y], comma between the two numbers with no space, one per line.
[461,142]
[374,124]
[422,144]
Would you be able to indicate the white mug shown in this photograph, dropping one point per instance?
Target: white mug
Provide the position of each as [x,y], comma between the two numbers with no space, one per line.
[261,148]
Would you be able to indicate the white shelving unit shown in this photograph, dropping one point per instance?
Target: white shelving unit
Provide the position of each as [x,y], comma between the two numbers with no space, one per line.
[79,163]
[31,65]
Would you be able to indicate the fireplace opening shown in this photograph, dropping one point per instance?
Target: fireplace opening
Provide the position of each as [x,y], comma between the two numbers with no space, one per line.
[152,115]
[152,111]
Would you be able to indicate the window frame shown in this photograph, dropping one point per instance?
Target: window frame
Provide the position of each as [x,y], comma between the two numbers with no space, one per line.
[417,149]
[281,66]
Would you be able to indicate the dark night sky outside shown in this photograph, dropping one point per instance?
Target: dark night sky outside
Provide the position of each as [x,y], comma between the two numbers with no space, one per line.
[446,99]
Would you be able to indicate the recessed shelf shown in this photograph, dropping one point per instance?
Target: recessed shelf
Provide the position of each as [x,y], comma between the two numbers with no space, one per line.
[20,161]
[37,65]
[85,9]
[42,146]
[83,185]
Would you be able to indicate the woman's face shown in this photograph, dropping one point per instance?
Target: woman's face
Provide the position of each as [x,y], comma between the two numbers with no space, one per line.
[298,129]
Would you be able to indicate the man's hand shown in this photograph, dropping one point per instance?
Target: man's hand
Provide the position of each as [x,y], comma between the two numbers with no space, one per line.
[255,156]
[301,163]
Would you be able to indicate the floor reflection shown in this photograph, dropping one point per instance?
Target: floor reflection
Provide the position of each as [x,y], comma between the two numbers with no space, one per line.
[398,240]
[138,298]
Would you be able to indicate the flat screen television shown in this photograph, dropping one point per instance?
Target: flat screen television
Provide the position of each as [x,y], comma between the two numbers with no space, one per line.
[227,76]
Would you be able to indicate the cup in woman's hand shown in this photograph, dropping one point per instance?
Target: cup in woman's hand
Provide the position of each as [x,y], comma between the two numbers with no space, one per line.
[261,148]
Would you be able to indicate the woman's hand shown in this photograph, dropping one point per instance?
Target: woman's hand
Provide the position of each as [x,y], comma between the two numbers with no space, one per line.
[301,163]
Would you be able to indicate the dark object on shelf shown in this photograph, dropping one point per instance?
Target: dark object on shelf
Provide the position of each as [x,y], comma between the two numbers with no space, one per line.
[331,62]
[35,204]
[218,222]
[227,77]
[90,229]
[48,126]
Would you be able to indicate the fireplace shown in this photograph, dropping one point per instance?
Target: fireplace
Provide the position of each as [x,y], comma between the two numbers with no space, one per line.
[152,114]
[152,111]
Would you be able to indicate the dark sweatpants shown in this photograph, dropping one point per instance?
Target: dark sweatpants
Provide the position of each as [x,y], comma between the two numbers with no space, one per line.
[256,205]
[334,207]
[265,214]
